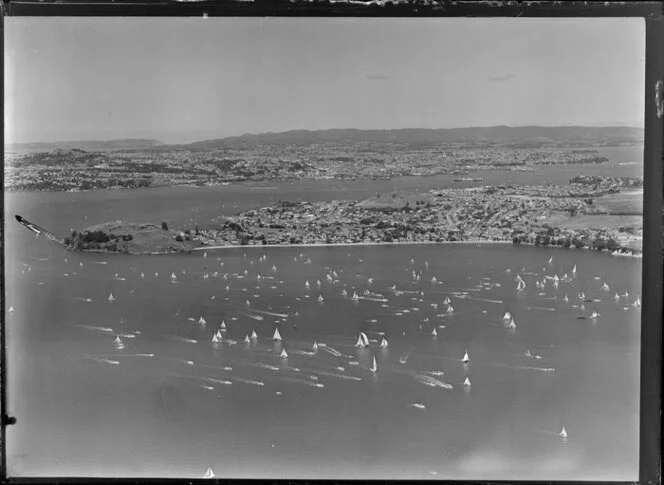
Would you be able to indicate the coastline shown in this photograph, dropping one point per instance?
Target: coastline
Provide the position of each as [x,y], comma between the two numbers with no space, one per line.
[407,243]
[309,245]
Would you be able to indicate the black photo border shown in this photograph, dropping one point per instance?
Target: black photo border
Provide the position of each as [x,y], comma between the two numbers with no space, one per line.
[653,201]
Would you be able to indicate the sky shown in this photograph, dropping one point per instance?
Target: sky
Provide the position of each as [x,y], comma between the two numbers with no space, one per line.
[188,79]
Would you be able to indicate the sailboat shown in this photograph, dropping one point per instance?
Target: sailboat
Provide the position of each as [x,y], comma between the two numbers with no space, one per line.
[320,298]
[119,344]
[248,303]
[574,270]
[344,292]
[383,343]
[201,321]
[208,473]
[551,260]
[362,341]
[605,287]
[466,357]
[111,297]
[284,354]
[254,336]
[637,302]
[274,268]
[374,367]
[246,339]
[433,332]
[215,338]
[616,297]
[582,295]
[563,433]
[555,278]
[565,298]
[446,300]
[594,314]
[527,353]
[507,316]
[11,309]
[142,275]
[218,334]
[173,277]
[315,346]
[223,325]
[466,383]
[306,284]
[355,297]
[450,309]
[318,283]
[277,335]
[512,324]
[521,285]
[433,279]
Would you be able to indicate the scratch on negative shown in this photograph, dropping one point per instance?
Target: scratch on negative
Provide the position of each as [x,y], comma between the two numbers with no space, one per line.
[659,98]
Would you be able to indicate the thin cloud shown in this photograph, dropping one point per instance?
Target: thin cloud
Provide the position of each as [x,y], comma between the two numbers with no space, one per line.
[500,76]
[377,77]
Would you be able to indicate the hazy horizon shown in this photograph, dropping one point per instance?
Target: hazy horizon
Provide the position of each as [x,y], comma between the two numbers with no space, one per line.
[181,80]
[194,140]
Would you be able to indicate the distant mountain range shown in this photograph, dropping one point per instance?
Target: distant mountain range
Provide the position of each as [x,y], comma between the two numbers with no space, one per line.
[492,135]
[504,135]
[88,145]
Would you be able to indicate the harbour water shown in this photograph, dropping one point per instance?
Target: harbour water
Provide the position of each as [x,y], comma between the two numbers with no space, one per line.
[163,400]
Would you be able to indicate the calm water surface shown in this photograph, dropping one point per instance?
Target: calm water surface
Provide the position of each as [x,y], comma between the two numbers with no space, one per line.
[170,402]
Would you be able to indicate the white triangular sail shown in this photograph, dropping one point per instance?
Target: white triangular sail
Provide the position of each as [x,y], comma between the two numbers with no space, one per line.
[215,338]
[466,358]
[467,382]
[360,342]
[277,335]
[315,346]
[201,321]
[118,342]
[355,297]
[306,284]
[11,309]
[433,332]
[374,367]
[383,343]
[574,270]
[512,324]
[208,473]
[111,297]
[507,316]
[246,339]
[223,325]
[563,433]
[284,354]
[254,335]
[320,298]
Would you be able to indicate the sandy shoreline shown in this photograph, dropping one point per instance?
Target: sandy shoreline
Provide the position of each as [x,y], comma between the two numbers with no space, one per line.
[311,245]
